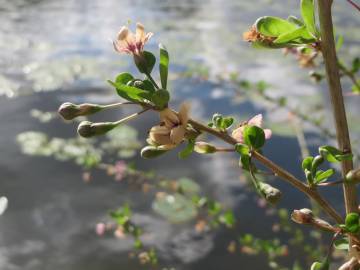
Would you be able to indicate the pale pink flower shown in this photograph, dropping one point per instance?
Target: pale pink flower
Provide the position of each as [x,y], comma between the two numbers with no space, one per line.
[130,43]
[100,229]
[120,170]
[238,134]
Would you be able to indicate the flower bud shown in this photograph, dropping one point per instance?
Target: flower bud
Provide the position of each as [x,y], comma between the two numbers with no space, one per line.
[69,110]
[271,194]
[353,176]
[302,216]
[151,152]
[88,129]
[204,148]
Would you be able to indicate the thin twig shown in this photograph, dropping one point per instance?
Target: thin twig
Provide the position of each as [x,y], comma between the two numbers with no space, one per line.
[354,4]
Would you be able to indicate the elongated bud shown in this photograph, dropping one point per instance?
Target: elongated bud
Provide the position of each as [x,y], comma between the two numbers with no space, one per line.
[303,216]
[271,194]
[151,152]
[353,176]
[88,129]
[70,111]
[204,148]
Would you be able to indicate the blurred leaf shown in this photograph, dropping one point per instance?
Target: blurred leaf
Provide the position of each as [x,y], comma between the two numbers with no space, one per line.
[187,185]
[186,152]
[342,244]
[130,93]
[164,66]
[176,208]
[320,266]
[352,222]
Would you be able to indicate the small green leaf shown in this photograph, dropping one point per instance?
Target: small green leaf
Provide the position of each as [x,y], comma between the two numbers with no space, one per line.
[301,32]
[244,151]
[308,15]
[175,207]
[124,78]
[150,61]
[352,222]
[307,162]
[148,86]
[342,244]
[188,186]
[339,42]
[163,65]
[161,98]
[254,137]
[333,154]
[294,20]
[355,65]
[151,152]
[186,152]
[322,176]
[273,26]
[130,93]
[228,218]
[320,266]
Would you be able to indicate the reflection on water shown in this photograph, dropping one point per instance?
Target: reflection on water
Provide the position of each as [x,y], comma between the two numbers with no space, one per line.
[64,45]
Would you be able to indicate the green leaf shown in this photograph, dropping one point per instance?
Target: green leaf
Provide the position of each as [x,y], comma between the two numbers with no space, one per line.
[355,65]
[124,78]
[161,98]
[308,15]
[301,32]
[151,151]
[342,244]
[254,137]
[188,186]
[163,65]
[130,93]
[148,86]
[352,222]
[339,42]
[333,154]
[273,26]
[186,152]
[320,266]
[294,20]
[174,207]
[244,151]
[307,163]
[228,218]
[322,176]
[150,61]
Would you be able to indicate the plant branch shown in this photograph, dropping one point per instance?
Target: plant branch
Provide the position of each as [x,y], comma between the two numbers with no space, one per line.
[331,64]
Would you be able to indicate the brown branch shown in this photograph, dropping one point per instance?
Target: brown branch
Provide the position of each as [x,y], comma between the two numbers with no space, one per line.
[333,77]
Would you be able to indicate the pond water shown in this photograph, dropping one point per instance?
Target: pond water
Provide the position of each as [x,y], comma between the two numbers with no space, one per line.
[56,51]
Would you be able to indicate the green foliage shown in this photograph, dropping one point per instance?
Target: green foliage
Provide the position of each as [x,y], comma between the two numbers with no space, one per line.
[351,223]
[244,152]
[333,154]
[313,175]
[254,137]
[221,122]
[187,151]
[342,244]
[320,265]
[146,62]
[124,78]
[163,66]
[130,93]
[174,207]
[308,15]
[270,26]
[161,98]
[151,151]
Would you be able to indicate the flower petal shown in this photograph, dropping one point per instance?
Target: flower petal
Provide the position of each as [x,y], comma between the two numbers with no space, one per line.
[140,33]
[237,134]
[177,134]
[184,113]
[256,120]
[123,33]
[169,118]
[268,133]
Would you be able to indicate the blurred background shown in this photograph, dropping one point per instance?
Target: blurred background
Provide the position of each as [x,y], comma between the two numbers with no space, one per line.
[57,51]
